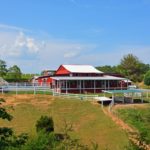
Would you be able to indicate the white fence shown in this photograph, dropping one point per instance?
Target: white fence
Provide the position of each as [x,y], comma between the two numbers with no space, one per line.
[24,87]
[80,96]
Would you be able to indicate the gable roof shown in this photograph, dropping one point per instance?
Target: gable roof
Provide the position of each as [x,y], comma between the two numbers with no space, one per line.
[81,69]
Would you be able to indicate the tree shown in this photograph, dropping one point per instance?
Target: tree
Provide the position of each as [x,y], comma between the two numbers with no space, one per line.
[51,140]
[107,69]
[144,67]
[14,73]
[7,137]
[147,78]
[132,67]
[3,69]
[45,123]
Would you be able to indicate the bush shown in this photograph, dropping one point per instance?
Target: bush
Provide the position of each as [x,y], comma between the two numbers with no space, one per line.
[42,141]
[45,124]
[55,141]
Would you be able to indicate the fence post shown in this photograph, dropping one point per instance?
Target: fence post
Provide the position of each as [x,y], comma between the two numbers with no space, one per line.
[16,88]
[53,92]
[25,87]
[2,91]
[34,90]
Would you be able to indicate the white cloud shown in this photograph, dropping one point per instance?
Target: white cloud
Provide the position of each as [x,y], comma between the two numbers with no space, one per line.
[71,54]
[20,40]
[8,50]
[19,48]
[8,27]
[7,47]
[32,46]
[34,55]
[16,44]
[61,52]
[114,56]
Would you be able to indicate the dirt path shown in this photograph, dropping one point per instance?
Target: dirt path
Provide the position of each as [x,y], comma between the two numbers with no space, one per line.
[133,133]
[118,121]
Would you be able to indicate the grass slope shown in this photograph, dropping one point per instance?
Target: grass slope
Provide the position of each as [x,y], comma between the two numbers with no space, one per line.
[138,117]
[89,121]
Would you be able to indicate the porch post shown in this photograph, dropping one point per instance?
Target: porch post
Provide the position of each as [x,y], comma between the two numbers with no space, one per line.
[57,85]
[80,86]
[108,85]
[60,86]
[94,86]
[83,86]
[127,83]
[66,87]
[121,85]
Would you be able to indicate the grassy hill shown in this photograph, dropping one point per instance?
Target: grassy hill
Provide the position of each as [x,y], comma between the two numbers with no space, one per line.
[88,120]
[139,118]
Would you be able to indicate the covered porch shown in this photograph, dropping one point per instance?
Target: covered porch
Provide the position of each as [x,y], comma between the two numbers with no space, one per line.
[86,84]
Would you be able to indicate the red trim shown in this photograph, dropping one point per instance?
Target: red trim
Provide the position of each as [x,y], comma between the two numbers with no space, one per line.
[62,70]
[49,80]
[43,77]
[40,81]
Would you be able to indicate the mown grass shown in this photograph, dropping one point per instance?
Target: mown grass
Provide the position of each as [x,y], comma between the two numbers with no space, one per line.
[30,92]
[139,118]
[88,120]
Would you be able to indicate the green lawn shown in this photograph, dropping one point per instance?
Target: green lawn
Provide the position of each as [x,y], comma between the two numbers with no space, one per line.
[30,92]
[88,120]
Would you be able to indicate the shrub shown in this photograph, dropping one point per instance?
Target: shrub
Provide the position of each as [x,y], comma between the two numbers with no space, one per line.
[42,141]
[45,124]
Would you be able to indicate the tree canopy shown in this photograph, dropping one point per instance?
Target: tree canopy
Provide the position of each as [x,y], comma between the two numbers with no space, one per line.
[130,67]
[14,72]
[147,78]
[45,123]
[3,69]
[108,69]
[133,68]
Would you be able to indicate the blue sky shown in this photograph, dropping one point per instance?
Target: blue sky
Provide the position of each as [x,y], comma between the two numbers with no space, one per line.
[42,34]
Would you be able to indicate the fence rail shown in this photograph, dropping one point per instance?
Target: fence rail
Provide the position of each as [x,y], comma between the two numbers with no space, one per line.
[80,96]
[26,87]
